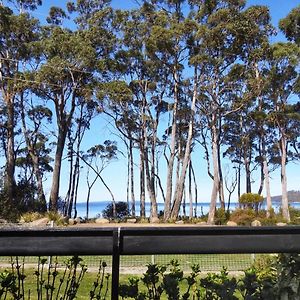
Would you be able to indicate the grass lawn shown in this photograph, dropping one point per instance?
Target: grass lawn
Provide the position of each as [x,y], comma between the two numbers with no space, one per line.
[137,263]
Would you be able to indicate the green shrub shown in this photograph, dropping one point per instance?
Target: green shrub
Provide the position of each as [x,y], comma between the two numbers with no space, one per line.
[294,215]
[219,286]
[251,200]
[243,216]
[122,211]
[31,216]
[288,283]
[221,216]
[160,279]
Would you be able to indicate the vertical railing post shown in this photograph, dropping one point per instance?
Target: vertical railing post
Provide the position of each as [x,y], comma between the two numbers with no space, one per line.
[115,264]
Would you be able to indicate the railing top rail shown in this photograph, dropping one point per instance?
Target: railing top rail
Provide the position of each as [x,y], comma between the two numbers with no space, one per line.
[148,240]
[157,230]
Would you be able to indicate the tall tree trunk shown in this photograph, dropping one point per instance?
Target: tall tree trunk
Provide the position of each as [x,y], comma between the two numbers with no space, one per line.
[267,186]
[285,201]
[54,193]
[216,183]
[190,192]
[196,188]
[167,207]
[132,195]
[187,154]
[262,179]
[239,182]
[89,193]
[142,183]
[248,174]
[221,184]
[10,151]
[149,181]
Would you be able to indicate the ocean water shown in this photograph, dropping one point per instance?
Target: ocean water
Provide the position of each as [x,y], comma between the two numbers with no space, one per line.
[96,208]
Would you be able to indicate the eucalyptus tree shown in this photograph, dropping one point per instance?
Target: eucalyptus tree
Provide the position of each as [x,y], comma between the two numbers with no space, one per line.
[248,133]
[284,115]
[226,32]
[17,32]
[216,55]
[146,77]
[62,79]
[71,61]
[167,46]
[290,25]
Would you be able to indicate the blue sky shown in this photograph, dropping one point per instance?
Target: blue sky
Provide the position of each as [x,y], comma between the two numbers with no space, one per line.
[115,174]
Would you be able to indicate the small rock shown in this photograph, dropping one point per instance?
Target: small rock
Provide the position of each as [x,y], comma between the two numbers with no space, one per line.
[3,221]
[132,221]
[72,221]
[40,222]
[179,222]
[78,220]
[255,223]
[231,223]
[154,220]
[281,224]
[101,221]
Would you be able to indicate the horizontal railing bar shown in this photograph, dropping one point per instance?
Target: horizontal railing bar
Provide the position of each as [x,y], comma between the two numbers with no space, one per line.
[149,240]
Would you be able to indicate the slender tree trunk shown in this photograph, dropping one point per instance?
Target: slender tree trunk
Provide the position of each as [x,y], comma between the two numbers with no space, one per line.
[216,183]
[167,208]
[10,159]
[89,193]
[285,201]
[131,178]
[239,182]
[261,152]
[142,183]
[190,192]
[187,154]
[267,186]
[56,170]
[221,184]
[149,181]
[196,188]
[248,174]
[128,178]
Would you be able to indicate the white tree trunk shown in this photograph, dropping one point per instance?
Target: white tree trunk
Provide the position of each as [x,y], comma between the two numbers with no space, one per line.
[216,184]
[285,201]
[267,186]
[187,155]
[167,208]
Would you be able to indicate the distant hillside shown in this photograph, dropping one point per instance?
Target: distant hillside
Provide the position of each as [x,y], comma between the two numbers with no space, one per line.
[293,196]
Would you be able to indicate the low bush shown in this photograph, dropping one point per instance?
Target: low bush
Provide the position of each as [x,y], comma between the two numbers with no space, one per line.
[31,216]
[251,201]
[294,215]
[122,211]
[221,216]
[243,216]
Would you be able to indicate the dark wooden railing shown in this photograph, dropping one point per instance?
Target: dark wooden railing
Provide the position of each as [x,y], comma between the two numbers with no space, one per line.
[117,241]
